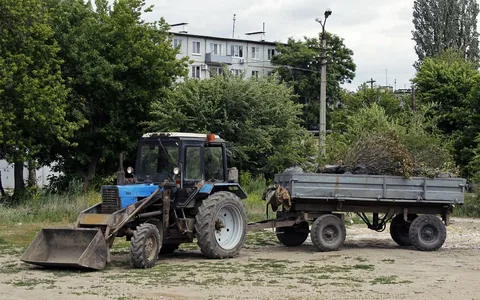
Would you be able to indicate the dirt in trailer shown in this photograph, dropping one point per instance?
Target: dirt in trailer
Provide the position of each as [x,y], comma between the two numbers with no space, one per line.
[369,266]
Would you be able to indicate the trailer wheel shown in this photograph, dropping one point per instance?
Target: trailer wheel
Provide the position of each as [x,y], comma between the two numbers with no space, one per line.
[293,235]
[221,225]
[328,233]
[399,229]
[145,246]
[168,248]
[427,233]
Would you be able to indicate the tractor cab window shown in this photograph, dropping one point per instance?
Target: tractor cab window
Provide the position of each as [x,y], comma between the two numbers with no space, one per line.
[157,162]
[214,163]
[193,163]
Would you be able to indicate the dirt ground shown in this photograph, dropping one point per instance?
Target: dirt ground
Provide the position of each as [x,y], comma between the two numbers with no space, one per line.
[369,266]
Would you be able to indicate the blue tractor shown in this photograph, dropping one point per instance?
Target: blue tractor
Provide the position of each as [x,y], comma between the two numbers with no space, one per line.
[180,190]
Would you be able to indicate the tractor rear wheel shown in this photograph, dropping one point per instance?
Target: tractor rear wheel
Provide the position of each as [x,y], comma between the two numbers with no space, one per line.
[221,225]
[145,246]
[293,235]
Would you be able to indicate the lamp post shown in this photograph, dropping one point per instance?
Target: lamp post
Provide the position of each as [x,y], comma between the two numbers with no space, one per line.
[323,86]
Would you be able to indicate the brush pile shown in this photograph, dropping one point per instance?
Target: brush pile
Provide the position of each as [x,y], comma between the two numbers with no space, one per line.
[381,153]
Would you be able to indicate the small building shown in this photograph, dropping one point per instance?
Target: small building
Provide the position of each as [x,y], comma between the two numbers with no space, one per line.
[7,173]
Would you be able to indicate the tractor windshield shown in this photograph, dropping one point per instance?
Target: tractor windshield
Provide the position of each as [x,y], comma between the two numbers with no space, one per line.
[157,162]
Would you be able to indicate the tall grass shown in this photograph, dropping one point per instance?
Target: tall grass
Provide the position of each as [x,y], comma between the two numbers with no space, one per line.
[48,207]
[254,187]
[471,207]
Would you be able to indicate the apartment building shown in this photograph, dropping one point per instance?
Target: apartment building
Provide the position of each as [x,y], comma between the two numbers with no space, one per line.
[210,53]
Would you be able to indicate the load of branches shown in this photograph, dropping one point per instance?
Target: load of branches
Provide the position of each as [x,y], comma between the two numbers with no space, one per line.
[382,153]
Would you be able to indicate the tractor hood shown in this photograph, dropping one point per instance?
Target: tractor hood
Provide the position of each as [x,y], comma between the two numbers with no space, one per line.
[130,194]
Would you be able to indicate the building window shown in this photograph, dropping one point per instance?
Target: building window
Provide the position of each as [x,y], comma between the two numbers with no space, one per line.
[216,49]
[216,71]
[196,48]
[177,43]
[255,74]
[195,71]
[237,72]
[237,51]
[271,53]
[255,52]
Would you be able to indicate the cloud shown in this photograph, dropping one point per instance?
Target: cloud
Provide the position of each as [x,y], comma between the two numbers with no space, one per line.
[378,31]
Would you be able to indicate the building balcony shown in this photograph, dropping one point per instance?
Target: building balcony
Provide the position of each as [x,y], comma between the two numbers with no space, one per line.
[213,59]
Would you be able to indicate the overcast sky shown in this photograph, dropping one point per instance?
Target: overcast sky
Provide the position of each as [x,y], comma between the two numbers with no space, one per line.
[378,31]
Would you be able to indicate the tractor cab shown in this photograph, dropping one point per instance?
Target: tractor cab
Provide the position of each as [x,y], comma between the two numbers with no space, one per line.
[183,158]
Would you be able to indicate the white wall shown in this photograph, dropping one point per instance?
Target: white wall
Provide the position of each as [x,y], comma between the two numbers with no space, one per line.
[8,177]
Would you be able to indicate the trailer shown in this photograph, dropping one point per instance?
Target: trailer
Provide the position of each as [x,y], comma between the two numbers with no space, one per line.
[417,208]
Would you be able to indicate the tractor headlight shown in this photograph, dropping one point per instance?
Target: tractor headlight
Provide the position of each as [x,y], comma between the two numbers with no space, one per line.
[176,171]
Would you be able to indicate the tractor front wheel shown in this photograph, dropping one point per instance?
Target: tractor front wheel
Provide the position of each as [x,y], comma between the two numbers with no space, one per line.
[145,246]
[221,225]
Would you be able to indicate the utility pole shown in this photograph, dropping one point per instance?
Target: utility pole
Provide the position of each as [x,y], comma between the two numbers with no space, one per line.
[322,128]
[371,81]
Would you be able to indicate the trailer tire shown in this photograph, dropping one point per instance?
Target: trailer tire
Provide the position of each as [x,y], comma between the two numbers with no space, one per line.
[328,233]
[292,236]
[145,246]
[399,229]
[168,248]
[221,225]
[427,233]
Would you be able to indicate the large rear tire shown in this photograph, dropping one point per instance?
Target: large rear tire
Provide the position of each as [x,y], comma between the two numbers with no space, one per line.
[293,235]
[221,225]
[328,233]
[427,233]
[399,229]
[145,246]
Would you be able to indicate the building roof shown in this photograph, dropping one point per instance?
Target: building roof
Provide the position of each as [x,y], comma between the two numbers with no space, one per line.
[223,38]
[177,134]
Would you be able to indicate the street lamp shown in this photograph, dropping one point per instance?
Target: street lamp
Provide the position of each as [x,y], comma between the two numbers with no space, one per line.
[323,86]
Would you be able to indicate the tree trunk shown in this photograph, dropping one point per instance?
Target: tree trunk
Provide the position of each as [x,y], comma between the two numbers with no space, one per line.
[90,173]
[32,173]
[18,174]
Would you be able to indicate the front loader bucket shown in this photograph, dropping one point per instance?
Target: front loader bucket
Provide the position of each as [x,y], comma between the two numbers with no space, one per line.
[67,247]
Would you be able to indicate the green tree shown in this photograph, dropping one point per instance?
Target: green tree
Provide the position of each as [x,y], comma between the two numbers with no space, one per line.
[32,92]
[256,116]
[117,64]
[452,82]
[299,64]
[443,24]
[352,102]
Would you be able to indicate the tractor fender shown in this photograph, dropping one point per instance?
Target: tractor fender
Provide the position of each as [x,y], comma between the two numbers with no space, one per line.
[232,187]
